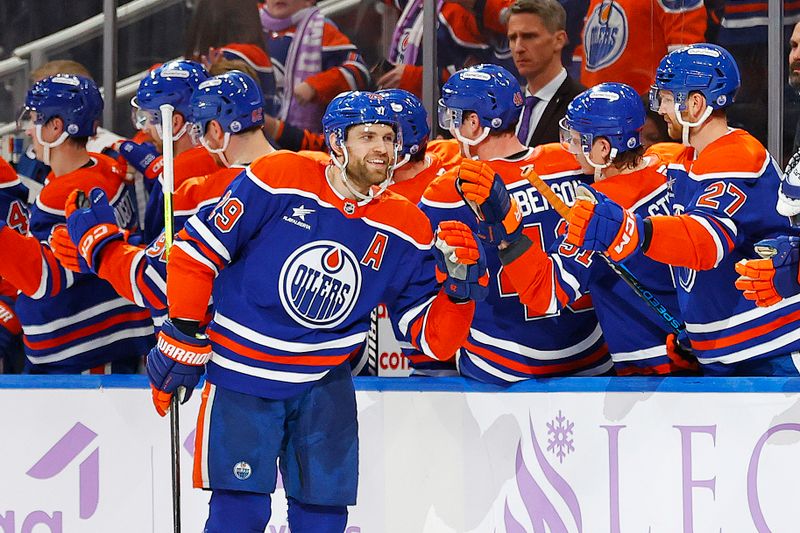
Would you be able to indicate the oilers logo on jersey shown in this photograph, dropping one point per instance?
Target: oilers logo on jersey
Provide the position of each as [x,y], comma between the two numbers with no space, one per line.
[605,35]
[319,284]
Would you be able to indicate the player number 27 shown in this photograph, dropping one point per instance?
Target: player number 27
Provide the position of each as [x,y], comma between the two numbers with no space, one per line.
[714,193]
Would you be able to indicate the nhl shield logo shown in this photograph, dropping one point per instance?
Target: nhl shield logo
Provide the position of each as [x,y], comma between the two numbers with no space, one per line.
[605,35]
[319,284]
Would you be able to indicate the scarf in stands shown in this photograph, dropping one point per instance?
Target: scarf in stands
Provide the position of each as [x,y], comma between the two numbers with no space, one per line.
[407,36]
[303,59]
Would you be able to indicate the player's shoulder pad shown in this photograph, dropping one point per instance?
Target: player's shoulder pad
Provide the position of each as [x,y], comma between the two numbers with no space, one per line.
[551,158]
[284,169]
[8,176]
[667,152]
[737,153]
[396,211]
[679,6]
[442,190]
[194,162]
[104,173]
[315,155]
[447,150]
[198,189]
[628,189]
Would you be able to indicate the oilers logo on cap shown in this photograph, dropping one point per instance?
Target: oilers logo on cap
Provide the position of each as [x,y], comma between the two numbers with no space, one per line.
[319,284]
[605,35]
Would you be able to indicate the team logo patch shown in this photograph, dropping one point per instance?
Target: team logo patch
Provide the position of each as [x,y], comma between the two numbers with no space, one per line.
[319,284]
[72,129]
[605,35]
[242,470]
[236,126]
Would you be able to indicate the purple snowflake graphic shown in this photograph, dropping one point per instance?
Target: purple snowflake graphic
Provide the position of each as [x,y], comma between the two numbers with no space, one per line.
[559,440]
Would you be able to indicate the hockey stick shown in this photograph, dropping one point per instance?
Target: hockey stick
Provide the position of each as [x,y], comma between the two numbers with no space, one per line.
[621,270]
[168,186]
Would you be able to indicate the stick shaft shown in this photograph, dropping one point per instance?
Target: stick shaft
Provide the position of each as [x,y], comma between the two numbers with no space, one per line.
[621,270]
[168,186]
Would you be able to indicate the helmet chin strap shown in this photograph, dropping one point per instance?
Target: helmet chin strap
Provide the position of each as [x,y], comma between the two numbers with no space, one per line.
[175,137]
[685,125]
[47,146]
[466,143]
[373,193]
[220,152]
[406,158]
[598,168]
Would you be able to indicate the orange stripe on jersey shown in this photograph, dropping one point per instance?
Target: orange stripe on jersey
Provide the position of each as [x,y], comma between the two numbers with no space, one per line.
[627,191]
[189,285]
[303,360]
[531,275]
[556,368]
[207,252]
[447,326]
[681,241]
[287,170]
[443,189]
[104,172]
[447,150]
[25,271]
[198,189]
[744,336]
[724,231]
[199,437]
[151,297]
[664,368]
[736,152]
[193,162]
[87,331]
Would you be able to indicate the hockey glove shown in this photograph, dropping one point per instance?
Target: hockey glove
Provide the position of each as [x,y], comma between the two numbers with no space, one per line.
[460,262]
[485,193]
[681,356]
[604,226]
[65,250]
[789,190]
[177,360]
[768,281]
[144,157]
[91,223]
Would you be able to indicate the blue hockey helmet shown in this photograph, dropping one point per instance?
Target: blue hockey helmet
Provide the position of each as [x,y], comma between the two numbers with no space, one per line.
[172,83]
[412,117]
[490,91]
[357,107]
[233,99]
[74,99]
[610,110]
[705,68]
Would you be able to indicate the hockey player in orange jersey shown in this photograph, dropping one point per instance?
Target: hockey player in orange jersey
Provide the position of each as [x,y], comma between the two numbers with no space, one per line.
[722,180]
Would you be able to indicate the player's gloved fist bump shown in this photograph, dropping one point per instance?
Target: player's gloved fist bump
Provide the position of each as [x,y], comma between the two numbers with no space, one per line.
[144,157]
[604,226]
[483,190]
[91,223]
[65,250]
[768,281]
[460,262]
[177,361]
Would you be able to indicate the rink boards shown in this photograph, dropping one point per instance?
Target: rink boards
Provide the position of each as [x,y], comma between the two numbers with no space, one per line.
[89,454]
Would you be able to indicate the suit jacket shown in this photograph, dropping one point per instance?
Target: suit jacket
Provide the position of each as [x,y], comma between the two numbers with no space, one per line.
[547,129]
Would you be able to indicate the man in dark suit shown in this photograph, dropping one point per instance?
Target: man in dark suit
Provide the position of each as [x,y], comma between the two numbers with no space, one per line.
[536,35]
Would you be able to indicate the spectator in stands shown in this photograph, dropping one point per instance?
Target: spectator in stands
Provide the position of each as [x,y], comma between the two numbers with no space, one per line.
[218,22]
[623,40]
[537,35]
[459,43]
[313,60]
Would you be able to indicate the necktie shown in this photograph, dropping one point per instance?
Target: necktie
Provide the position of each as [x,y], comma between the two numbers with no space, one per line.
[525,121]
